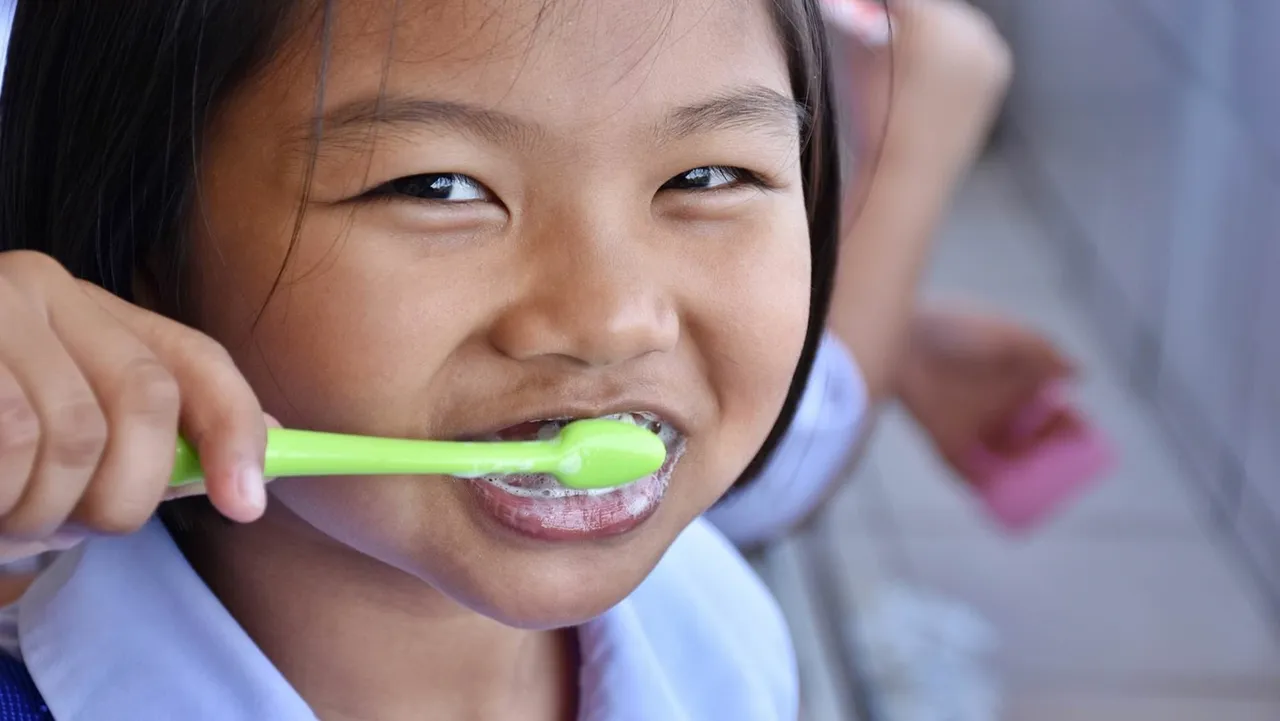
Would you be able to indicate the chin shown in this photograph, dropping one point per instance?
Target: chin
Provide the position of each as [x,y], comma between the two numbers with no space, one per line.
[554,608]
[550,585]
[521,551]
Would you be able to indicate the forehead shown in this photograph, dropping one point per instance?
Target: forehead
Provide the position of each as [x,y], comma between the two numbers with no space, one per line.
[579,63]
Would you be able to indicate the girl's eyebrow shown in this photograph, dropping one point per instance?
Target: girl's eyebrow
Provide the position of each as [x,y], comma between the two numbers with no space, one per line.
[356,118]
[753,107]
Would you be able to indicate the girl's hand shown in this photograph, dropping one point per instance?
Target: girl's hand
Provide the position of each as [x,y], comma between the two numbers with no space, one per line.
[968,376]
[93,391]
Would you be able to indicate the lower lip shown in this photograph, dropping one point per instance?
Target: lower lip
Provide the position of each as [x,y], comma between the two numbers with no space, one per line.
[578,517]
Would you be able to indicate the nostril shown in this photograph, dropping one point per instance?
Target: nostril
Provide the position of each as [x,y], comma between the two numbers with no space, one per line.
[594,331]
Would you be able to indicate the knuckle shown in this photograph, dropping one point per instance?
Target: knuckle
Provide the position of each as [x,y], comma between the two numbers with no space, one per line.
[200,348]
[147,388]
[30,273]
[76,434]
[19,425]
[118,516]
[29,262]
[234,403]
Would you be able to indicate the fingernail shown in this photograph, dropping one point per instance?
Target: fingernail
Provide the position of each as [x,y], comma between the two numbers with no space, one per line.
[252,487]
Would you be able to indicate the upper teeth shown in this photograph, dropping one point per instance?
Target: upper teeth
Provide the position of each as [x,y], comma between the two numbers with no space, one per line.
[636,419]
[651,422]
[549,429]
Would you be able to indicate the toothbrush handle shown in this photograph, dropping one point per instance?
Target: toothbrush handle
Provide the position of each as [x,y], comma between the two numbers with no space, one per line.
[293,453]
[186,466]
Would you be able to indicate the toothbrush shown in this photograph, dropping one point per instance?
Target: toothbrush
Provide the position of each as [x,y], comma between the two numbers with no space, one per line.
[586,455]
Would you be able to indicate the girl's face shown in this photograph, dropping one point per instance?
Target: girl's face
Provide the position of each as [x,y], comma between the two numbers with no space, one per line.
[519,210]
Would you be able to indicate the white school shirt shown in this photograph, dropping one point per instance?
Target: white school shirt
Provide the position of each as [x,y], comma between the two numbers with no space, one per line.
[122,629]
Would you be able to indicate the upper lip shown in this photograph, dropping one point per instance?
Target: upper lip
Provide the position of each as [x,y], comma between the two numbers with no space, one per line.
[666,414]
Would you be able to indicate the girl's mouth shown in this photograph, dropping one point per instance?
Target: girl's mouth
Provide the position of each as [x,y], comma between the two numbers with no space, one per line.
[538,506]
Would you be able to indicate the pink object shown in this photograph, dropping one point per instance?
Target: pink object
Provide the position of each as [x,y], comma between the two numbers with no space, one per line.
[1020,492]
[864,20]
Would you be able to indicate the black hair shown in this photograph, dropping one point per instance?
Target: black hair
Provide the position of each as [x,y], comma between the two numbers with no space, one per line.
[102,118]
[804,37]
[106,102]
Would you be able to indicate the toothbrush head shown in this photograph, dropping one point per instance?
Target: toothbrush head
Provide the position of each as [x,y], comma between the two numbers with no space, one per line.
[600,453]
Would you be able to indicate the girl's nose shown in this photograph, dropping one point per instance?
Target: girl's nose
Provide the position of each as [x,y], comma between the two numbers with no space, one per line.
[594,303]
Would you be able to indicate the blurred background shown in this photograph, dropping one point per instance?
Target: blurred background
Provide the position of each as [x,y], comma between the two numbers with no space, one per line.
[1128,206]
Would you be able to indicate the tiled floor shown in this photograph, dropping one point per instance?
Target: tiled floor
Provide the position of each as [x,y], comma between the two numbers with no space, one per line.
[1126,608]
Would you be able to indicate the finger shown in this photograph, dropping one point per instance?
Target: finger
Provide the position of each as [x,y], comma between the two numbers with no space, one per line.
[222,419]
[1056,424]
[1024,426]
[198,488]
[19,440]
[72,427]
[140,400]
[1061,367]
[220,415]
[1035,352]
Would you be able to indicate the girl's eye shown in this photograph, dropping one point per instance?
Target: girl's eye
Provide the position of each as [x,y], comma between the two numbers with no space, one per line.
[709,177]
[437,187]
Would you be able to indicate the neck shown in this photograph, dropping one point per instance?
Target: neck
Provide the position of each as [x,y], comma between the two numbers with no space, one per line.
[360,639]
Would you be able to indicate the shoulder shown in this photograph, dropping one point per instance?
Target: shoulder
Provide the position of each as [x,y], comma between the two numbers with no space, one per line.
[719,628]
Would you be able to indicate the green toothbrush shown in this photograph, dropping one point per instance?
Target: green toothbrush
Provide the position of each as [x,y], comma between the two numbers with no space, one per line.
[587,454]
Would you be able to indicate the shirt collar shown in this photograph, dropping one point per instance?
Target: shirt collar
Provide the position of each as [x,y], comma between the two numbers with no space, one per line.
[122,629]
[134,601]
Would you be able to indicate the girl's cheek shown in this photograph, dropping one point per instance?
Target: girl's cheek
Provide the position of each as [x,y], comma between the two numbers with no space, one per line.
[763,305]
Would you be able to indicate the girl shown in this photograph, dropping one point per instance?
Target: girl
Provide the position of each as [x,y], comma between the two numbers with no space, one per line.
[951,69]
[416,218]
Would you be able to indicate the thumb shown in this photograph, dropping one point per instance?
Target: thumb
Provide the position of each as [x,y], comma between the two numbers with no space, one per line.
[198,489]
[1049,361]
